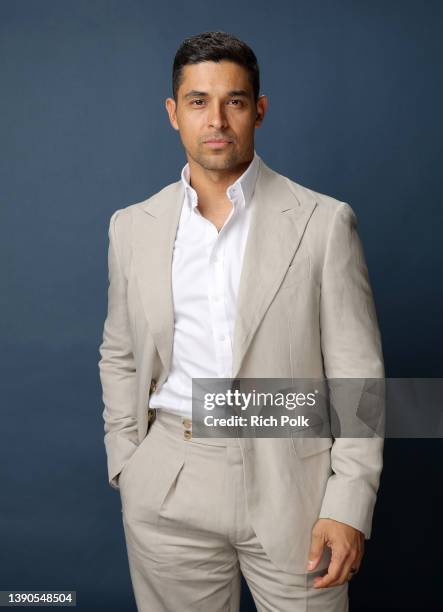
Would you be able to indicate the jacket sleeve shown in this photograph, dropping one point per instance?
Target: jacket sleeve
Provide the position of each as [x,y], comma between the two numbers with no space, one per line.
[117,367]
[351,348]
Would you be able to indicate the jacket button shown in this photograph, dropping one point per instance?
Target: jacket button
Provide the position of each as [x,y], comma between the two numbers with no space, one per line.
[187,423]
[187,435]
[153,385]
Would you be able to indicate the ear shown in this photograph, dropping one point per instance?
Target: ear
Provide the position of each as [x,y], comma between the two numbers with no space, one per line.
[262,107]
[171,109]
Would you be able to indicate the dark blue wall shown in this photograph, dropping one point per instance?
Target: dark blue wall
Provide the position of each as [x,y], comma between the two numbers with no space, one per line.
[355,94]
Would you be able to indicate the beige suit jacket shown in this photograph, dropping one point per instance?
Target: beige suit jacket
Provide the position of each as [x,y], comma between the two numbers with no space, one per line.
[305,309]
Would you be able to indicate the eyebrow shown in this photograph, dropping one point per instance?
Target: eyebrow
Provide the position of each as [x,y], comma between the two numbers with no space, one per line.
[202,94]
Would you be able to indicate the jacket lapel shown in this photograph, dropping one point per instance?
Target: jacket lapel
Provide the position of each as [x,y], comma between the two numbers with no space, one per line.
[153,242]
[277,223]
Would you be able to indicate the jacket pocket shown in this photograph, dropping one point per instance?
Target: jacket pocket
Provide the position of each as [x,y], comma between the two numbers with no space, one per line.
[305,447]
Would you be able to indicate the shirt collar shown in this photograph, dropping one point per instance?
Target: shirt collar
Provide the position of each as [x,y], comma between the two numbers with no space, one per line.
[240,192]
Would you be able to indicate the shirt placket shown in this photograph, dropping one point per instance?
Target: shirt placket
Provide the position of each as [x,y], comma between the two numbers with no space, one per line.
[217,296]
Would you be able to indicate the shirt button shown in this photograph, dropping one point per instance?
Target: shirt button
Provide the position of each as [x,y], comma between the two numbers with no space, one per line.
[153,385]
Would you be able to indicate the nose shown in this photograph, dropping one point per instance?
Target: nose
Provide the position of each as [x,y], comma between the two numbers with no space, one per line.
[217,118]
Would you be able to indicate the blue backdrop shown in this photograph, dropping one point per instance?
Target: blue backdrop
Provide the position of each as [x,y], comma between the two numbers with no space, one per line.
[355,94]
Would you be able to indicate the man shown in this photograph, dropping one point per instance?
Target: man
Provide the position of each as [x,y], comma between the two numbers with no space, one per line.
[234,271]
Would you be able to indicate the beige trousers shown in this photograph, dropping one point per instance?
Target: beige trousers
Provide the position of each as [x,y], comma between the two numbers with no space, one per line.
[188,532]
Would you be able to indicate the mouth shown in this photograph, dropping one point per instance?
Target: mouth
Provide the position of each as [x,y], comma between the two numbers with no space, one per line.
[217,143]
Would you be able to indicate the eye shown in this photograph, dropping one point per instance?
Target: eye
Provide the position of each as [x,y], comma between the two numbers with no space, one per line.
[237,101]
[197,100]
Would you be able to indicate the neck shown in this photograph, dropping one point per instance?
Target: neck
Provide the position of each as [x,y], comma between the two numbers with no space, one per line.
[211,185]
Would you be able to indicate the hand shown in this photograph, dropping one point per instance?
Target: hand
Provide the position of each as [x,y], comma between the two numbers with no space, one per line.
[347,544]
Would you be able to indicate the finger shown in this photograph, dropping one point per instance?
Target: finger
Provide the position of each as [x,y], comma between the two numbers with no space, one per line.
[358,559]
[335,569]
[346,573]
[316,550]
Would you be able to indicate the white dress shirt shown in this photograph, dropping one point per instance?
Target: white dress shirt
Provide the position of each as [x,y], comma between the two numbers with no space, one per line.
[206,269]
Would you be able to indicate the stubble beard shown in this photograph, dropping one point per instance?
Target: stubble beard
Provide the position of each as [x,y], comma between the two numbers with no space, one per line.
[217,160]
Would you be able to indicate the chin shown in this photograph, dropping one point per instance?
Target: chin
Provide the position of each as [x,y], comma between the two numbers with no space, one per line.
[217,160]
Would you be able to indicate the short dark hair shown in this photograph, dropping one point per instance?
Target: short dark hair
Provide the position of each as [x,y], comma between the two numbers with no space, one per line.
[215,47]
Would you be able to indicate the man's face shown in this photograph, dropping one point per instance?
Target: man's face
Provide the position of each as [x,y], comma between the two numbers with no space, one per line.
[216,101]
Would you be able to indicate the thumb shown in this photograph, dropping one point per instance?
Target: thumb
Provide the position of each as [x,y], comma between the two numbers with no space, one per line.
[316,550]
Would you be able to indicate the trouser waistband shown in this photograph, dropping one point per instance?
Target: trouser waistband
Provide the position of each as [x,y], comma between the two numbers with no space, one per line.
[181,427]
